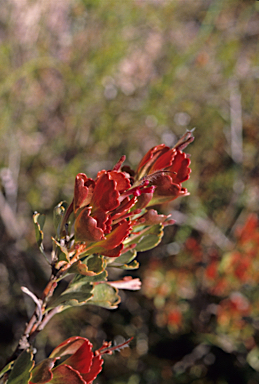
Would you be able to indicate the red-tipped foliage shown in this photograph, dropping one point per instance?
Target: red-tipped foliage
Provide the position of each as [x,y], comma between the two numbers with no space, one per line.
[106,208]
[81,367]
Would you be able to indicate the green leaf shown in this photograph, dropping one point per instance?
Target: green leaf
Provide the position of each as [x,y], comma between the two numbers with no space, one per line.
[95,263]
[125,258]
[78,293]
[80,268]
[106,296]
[61,253]
[42,372]
[58,214]
[253,358]
[125,261]
[80,290]
[21,372]
[149,238]
[92,265]
[133,265]
[39,221]
[6,368]
[91,279]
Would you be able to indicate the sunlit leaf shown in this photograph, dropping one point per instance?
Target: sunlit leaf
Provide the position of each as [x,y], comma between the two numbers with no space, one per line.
[6,368]
[61,253]
[21,372]
[39,221]
[81,269]
[133,265]
[58,215]
[93,265]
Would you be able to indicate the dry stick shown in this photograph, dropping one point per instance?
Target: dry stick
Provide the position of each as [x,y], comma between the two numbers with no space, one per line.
[30,331]
[35,325]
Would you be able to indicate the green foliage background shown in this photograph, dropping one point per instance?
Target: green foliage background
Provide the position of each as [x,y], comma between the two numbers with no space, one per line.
[83,82]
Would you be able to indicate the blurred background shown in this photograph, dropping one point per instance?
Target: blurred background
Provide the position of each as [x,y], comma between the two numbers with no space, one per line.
[83,82]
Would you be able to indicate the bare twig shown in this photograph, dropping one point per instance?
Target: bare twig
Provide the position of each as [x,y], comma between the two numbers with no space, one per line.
[37,301]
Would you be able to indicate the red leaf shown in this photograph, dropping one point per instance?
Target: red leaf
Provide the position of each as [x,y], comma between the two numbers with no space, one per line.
[86,228]
[151,217]
[65,374]
[69,346]
[105,196]
[181,168]
[149,159]
[81,360]
[95,369]
[166,188]
[83,191]
[122,182]
[164,160]
[113,240]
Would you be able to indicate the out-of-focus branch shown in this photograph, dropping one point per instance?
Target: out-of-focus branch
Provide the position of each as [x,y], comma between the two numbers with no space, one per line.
[12,225]
[236,126]
[204,225]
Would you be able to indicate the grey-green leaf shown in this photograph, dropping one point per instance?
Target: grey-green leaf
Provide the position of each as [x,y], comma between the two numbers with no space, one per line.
[21,372]
[106,296]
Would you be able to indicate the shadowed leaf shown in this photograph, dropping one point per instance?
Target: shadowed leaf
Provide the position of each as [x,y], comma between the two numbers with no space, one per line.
[42,372]
[65,374]
[21,372]
[76,294]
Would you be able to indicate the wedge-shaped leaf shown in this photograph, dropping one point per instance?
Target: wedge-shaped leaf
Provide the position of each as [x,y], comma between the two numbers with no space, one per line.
[42,372]
[148,238]
[58,214]
[76,294]
[21,372]
[66,374]
[125,261]
[91,279]
[106,296]
[80,269]
[125,258]
[93,265]
[61,253]
[6,369]
[39,221]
